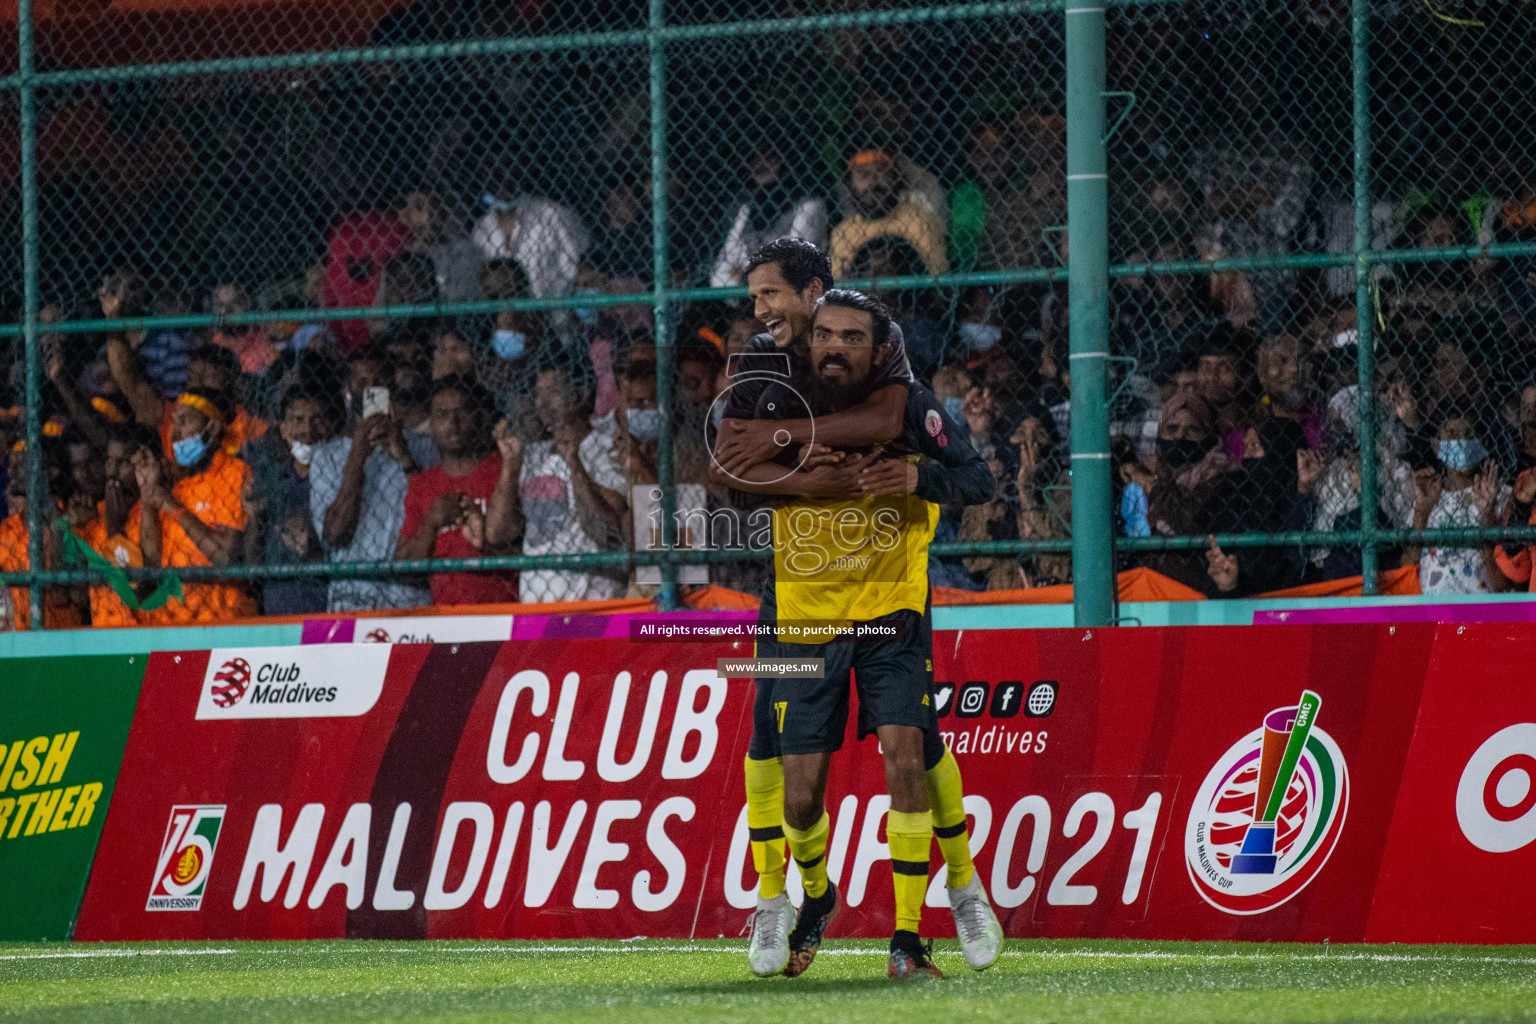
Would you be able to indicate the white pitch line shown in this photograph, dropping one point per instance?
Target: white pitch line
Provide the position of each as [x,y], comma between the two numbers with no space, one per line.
[1019,954]
[98,953]
[738,950]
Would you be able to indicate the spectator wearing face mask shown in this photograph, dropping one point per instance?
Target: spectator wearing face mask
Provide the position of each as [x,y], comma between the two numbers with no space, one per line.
[1465,495]
[1173,484]
[277,495]
[192,515]
[1268,495]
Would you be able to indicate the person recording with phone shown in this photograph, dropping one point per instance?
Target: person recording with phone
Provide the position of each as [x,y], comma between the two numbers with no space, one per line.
[357,487]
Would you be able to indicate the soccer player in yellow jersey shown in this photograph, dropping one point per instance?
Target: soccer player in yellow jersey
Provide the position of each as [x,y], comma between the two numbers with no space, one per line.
[850,551]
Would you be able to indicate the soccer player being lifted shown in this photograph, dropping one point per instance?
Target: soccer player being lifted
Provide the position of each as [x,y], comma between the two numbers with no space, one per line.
[853,373]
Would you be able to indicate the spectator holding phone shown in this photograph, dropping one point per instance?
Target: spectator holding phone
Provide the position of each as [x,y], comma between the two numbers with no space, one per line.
[445,507]
[357,487]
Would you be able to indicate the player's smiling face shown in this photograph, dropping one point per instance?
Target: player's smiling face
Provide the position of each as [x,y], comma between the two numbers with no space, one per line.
[842,345]
[785,312]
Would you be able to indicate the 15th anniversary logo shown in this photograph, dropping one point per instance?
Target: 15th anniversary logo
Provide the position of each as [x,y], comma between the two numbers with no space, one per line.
[1269,813]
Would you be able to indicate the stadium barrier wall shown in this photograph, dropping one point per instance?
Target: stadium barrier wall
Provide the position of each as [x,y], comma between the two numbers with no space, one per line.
[565,788]
[65,721]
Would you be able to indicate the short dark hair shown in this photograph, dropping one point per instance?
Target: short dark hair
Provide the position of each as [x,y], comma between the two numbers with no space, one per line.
[473,393]
[134,436]
[576,370]
[847,298]
[799,262]
[216,355]
[369,353]
[312,391]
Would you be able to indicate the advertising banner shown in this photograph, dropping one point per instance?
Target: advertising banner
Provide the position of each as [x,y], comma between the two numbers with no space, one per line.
[65,723]
[1209,783]
[1459,863]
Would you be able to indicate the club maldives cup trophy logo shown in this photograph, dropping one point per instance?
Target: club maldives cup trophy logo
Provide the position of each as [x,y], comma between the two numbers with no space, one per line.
[1269,813]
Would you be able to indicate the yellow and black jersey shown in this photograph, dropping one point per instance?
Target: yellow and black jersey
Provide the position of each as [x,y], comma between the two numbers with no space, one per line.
[857,559]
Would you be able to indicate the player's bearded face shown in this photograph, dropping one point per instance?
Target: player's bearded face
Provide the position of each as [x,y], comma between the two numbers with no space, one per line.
[843,355]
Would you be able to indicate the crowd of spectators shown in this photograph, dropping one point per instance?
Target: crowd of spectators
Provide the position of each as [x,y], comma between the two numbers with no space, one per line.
[391,438]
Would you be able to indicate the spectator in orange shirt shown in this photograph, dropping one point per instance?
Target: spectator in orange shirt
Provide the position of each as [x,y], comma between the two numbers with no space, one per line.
[114,532]
[59,611]
[199,520]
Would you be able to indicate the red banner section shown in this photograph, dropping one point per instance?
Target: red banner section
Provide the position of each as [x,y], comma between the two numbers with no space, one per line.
[1458,865]
[1186,783]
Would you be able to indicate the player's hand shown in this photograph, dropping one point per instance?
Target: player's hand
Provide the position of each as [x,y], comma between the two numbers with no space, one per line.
[817,454]
[742,444]
[1221,567]
[888,476]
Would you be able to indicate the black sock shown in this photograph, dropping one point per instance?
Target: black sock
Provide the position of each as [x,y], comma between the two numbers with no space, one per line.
[907,942]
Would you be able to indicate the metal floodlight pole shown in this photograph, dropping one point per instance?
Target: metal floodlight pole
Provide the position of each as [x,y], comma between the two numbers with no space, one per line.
[37,498]
[661,271]
[1365,304]
[1093,571]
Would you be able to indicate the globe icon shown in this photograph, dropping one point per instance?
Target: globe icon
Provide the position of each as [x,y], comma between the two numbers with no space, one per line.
[1042,698]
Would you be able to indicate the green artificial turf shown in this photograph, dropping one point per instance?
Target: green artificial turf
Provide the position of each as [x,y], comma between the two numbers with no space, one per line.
[678,982]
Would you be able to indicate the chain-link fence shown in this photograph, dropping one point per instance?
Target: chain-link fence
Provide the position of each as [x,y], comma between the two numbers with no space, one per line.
[326,298]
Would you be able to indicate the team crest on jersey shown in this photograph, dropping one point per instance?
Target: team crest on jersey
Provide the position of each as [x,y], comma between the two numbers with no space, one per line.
[933,423]
[1269,813]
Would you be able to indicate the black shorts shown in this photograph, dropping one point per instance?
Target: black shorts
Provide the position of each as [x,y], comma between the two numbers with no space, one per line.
[809,716]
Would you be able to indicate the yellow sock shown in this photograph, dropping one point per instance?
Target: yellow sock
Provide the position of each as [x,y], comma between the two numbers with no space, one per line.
[765,817]
[809,848]
[909,835]
[947,798]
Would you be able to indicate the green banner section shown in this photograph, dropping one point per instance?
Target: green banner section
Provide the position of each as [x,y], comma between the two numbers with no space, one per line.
[63,725]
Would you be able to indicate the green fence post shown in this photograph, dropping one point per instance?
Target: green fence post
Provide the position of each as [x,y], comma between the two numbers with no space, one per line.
[1093,571]
[1365,304]
[37,511]
[662,273]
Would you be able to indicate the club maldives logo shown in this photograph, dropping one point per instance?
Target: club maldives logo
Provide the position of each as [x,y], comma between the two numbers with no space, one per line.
[186,857]
[1269,813]
[230,682]
[320,681]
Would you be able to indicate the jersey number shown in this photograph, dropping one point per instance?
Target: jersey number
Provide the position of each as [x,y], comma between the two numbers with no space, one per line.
[779,708]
